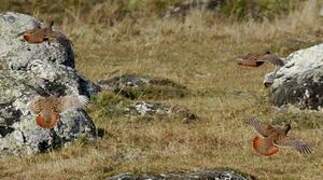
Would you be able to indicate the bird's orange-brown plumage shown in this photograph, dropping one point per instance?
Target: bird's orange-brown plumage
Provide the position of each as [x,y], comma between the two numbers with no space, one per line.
[47,122]
[48,108]
[36,36]
[258,146]
[255,60]
[271,138]
[250,60]
[39,35]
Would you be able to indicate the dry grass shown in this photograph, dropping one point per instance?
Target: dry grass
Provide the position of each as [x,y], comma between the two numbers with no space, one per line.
[198,53]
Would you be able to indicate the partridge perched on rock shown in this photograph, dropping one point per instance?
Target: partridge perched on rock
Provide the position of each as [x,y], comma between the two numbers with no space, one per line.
[273,137]
[39,35]
[48,108]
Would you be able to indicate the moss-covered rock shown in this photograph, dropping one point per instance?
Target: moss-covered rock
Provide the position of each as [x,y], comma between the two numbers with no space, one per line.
[109,105]
[143,87]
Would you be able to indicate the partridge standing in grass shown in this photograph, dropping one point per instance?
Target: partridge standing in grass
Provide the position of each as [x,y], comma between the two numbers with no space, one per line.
[48,108]
[39,35]
[273,137]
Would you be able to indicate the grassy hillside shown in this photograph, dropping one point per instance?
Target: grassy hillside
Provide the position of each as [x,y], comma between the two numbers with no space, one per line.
[198,51]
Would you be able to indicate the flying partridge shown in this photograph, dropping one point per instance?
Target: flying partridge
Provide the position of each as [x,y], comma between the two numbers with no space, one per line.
[271,58]
[250,60]
[255,60]
[39,35]
[48,108]
[273,137]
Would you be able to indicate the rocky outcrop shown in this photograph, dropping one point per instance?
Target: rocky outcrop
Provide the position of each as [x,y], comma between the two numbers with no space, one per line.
[152,110]
[107,104]
[143,87]
[28,70]
[139,94]
[300,81]
[221,174]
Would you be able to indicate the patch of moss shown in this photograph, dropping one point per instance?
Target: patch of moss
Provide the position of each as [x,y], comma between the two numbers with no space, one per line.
[257,9]
[152,92]
[134,86]
[107,105]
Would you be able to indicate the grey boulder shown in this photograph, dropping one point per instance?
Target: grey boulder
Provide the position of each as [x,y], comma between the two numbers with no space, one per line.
[300,81]
[28,70]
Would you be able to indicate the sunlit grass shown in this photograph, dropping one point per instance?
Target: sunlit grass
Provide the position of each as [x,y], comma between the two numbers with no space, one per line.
[199,53]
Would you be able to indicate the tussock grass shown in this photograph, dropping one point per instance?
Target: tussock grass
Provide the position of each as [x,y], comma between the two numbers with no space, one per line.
[199,52]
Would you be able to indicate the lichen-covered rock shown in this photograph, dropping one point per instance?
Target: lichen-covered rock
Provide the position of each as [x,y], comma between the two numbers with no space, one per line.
[221,174]
[159,110]
[269,79]
[28,70]
[143,87]
[300,81]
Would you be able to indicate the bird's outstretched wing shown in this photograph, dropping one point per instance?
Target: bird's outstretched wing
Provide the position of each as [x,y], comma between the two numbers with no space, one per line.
[263,129]
[273,59]
[35,105]
[295,143]
[71,102]
[28,31]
